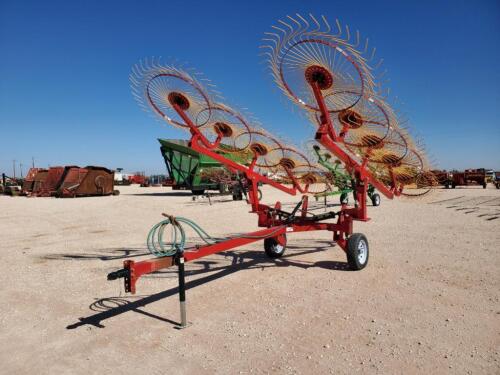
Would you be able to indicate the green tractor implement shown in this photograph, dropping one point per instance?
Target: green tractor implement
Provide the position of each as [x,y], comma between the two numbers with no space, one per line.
[190,170]
[344,182]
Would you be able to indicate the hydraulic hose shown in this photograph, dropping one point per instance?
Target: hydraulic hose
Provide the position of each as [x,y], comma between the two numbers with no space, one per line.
[158,247]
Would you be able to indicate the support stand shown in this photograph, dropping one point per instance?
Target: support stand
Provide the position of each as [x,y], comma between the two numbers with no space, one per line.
[182,292]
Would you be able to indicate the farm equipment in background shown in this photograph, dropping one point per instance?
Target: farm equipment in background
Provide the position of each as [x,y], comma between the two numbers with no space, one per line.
[10,185]
[490,175]
[121,178]
[138,178]
[191,170]
[30,181]
[469,177]
[88,181]
[496,180]
[339,178]
[157,180]
[126,179]
[229,184]
[55,177]
[40,178]
[452,179]
[442,177]
[168,181]
[68,181]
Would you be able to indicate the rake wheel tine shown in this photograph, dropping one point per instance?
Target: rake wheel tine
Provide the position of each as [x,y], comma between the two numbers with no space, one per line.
[339,27]
[316,22]
[304,20]
[328,28]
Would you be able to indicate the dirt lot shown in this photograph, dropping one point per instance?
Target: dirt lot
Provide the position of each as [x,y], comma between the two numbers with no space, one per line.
[428,301]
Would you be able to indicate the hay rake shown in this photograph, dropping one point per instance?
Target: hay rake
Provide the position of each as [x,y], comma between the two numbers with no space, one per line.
[327,76]
[340,178]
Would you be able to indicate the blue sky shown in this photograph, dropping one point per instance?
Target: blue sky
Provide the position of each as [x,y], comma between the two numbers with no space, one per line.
[64,66]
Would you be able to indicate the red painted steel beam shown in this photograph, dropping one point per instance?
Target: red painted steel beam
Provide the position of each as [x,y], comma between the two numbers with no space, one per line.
[326,136]
[197,137]
[138,269]
[233,242]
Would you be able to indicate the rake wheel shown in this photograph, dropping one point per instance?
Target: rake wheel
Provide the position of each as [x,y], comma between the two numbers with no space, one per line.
[302,50]
[222,121]
[159,87]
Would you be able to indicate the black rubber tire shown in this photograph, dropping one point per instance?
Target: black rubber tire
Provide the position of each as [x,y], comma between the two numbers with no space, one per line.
[498,185]
[273,248]
[116,192]
[357,262]
[344,198]
[198,192]
[259,194]
[238,197]
[375,199]
[484,185]
[453,186]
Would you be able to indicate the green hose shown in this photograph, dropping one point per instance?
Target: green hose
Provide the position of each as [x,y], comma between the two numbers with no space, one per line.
[159,248]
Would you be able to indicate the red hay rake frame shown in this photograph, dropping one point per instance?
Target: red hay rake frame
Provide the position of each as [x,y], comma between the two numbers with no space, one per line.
[277,223]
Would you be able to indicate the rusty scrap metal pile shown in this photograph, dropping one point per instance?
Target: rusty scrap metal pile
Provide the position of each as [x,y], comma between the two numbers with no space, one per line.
[69,182]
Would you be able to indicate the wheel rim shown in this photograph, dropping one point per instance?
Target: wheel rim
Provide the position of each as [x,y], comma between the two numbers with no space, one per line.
[362,252]
[278,249]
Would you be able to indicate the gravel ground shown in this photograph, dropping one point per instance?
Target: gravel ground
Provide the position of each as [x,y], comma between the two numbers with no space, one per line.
[428,301]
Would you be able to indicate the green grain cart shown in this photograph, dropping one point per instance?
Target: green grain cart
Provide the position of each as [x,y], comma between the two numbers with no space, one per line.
[186,166]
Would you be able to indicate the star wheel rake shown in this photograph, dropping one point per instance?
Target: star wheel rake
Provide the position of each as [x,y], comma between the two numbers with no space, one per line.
[157,87]
[340,181]
[221,121]
[325,74]
[358,145]
[366,125]
[267,150]
[296,169]
[182,101]
[411,171]
[301,50]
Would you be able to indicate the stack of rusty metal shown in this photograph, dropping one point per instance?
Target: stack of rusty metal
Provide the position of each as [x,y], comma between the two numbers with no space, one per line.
[69,181]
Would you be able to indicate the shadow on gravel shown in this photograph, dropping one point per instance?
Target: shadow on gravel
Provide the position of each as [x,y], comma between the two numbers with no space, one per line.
[485,206]
[114,254]
[107,308]
[207,202]
[164,194]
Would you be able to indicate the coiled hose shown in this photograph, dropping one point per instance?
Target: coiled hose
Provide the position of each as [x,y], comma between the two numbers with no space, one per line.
[159,248]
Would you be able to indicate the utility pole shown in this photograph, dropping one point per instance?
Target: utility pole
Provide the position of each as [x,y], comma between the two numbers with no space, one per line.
[14,167]
[21,168]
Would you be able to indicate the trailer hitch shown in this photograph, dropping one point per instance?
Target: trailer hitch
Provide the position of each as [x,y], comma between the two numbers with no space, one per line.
[133,270]
[124,272]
